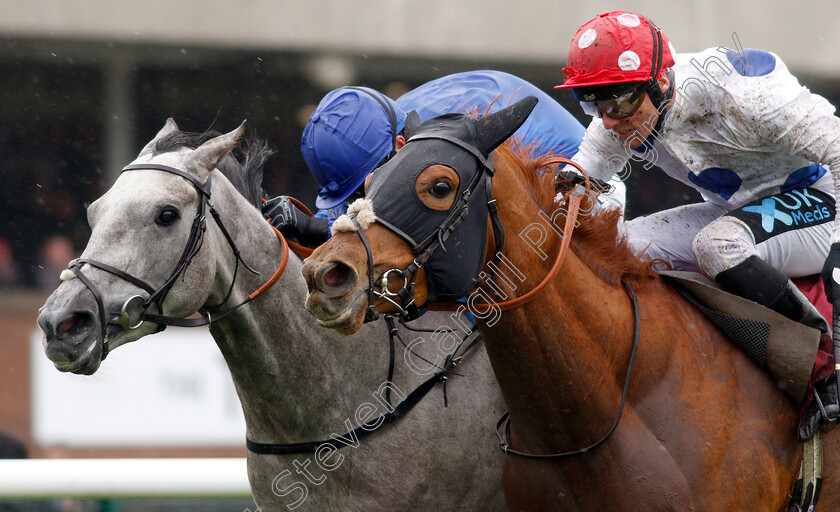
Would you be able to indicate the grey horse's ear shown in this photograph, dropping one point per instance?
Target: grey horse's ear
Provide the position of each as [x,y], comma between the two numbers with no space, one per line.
[412,122]
[495,128]
[168,128]
[208,156]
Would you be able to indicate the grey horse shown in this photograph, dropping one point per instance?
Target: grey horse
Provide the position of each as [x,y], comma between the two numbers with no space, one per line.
[296,380]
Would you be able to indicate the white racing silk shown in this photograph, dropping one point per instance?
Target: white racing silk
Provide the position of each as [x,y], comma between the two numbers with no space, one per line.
[740,128]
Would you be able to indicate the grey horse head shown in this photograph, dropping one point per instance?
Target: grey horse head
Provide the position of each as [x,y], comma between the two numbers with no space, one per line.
[140,227]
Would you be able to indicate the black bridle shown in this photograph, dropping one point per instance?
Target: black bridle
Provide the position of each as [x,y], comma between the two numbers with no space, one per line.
[407,308]
[424,250]
[132,318]
[135,309]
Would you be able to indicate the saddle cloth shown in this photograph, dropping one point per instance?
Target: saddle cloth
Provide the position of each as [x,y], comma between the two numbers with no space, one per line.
[784,348]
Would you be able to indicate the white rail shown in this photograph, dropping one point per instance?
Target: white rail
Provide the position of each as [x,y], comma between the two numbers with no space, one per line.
[123,478]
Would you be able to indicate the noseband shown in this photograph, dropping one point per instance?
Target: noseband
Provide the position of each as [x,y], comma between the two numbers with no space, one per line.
[135,309]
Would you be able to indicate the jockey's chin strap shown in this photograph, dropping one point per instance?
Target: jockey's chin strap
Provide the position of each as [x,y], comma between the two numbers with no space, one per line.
[135,309]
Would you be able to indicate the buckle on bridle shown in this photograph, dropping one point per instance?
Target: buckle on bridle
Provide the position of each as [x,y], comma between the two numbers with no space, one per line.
[387,294]
[131,315]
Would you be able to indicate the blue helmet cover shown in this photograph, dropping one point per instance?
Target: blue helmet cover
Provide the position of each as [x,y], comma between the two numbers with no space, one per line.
[346,137]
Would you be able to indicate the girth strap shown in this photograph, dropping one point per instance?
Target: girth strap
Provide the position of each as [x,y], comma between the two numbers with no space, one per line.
[806,490]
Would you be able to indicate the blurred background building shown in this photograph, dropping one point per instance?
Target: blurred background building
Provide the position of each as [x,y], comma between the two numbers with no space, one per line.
[84,85]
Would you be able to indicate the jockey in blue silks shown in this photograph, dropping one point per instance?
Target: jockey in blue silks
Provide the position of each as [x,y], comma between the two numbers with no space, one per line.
[355,129]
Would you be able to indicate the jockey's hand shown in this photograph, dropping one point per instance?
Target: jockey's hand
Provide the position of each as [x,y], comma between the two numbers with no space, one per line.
[832,265]
[283,215]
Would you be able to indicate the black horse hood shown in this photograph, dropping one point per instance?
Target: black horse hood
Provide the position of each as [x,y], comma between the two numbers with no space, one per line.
[465,144]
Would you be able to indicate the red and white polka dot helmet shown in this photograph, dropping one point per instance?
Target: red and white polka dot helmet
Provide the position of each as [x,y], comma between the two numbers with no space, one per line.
[616,47]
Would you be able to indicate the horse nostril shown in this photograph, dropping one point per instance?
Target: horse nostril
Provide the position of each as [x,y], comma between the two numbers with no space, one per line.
[76,323]
[336,275]
[69,323]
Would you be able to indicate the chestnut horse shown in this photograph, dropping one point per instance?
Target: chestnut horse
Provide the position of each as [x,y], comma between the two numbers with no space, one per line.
[703,427]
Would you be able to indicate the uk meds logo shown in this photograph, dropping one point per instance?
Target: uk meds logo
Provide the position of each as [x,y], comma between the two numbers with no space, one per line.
[784,212]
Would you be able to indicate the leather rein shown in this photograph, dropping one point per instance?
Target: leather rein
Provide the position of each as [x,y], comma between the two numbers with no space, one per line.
[503,425]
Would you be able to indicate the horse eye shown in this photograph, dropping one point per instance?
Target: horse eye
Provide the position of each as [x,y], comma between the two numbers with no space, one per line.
[441,189]
[167,217]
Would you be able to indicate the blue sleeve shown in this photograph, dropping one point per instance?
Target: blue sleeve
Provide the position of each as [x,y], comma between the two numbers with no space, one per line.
[331,215]
[550,126]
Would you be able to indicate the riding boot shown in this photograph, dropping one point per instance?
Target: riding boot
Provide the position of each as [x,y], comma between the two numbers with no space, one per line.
[756,280]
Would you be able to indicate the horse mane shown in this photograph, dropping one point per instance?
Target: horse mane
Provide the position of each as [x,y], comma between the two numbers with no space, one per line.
[243,167]
[596,240]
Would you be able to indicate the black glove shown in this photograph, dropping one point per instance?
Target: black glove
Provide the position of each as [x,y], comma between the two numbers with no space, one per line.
[832,262]
[309,231]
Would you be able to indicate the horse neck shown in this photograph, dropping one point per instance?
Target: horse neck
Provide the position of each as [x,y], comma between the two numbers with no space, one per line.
[273,348]
[565,352]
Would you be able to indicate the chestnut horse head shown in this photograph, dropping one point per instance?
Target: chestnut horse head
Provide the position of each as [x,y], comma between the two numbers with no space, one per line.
[704,427]
[432,200]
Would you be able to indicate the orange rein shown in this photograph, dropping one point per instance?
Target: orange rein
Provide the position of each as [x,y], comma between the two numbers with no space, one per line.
[571,218]
[277,273]
[300,250]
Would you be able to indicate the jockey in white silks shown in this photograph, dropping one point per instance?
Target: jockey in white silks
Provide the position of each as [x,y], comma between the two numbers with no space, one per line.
[736,126]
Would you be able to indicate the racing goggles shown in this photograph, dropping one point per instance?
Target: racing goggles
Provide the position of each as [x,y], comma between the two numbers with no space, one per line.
[618,107]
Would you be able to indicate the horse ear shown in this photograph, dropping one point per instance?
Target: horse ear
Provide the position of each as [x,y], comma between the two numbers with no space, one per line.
[495,128]
[210,154]
[412,122]
[168,128]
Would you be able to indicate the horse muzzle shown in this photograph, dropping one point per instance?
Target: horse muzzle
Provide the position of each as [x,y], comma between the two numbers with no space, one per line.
[75,338]
[72,339]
